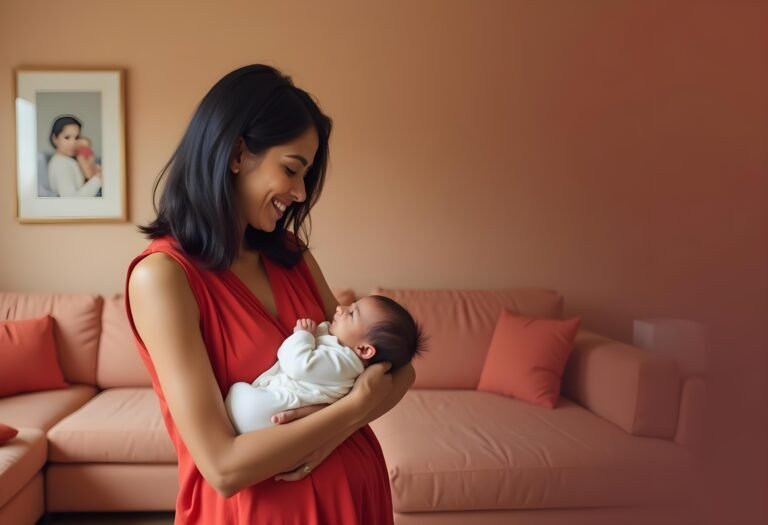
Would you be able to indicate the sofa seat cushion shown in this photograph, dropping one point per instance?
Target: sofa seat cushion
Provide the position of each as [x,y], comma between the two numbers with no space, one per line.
[43,409]
[452,450]
[20,459]
[119,425]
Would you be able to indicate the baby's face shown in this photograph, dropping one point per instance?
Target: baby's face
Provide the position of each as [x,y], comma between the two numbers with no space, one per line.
[352,323]
[83,142]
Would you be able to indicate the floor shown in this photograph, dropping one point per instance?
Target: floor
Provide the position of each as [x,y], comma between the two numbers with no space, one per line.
[108,518]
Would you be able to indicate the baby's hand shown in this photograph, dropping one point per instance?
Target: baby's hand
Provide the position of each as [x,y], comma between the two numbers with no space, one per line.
[305,324]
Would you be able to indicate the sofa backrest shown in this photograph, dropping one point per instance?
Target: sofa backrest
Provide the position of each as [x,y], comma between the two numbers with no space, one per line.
[119,364]
[459,325]
[77,327]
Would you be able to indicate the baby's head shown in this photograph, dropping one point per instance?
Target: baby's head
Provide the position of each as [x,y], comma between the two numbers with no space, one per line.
[83,142]
[377,329]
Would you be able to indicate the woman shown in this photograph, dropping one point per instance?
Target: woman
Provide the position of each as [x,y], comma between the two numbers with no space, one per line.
[220,287]
[66,177]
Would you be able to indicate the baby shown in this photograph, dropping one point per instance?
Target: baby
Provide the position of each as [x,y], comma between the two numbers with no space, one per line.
[86,158]
[319,363]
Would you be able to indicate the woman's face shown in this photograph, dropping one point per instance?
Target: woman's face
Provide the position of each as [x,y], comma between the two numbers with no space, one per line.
[66,141]
[268,183]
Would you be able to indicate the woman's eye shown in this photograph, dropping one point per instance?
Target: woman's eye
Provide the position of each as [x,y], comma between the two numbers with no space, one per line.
[290,171]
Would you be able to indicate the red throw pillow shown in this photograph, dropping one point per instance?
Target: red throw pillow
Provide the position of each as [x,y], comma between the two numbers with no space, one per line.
[7,433]
[28,361]
[527,357]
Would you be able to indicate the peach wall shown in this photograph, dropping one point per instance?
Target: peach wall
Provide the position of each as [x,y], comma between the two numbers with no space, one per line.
[612,150]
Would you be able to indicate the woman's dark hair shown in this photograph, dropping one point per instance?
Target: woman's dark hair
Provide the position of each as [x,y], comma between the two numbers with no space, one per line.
[58,126]
[198,204]
[398,338]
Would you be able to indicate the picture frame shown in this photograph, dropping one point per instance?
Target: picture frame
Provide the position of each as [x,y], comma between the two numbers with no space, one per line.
[70,145]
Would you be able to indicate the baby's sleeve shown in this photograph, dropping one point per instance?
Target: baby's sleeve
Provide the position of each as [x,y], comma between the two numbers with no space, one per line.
[323,365]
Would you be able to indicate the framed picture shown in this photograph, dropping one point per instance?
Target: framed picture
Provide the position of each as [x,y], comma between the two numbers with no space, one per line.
[70,145]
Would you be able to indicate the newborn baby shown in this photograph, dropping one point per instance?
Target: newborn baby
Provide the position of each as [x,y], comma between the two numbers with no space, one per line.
[86,158]
[319,363]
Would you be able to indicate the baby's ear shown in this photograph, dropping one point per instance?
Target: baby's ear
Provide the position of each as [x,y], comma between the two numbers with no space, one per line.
[366,351]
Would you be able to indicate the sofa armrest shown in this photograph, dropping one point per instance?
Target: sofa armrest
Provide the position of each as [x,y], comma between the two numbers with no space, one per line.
[636,389]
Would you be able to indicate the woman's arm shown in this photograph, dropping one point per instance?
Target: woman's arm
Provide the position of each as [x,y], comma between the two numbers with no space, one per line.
[163,309]
[63,178]
[89,168]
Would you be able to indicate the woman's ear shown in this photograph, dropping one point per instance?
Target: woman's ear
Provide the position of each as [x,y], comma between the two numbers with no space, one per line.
[237,156]
[366,351]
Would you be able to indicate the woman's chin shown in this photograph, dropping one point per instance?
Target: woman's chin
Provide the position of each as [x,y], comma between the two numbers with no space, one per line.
[265,226]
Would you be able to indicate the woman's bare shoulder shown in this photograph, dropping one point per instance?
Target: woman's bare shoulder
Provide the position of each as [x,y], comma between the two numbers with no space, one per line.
[159,278]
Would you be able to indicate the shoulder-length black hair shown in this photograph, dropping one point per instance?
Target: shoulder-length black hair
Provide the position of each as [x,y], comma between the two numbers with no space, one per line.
[198,205]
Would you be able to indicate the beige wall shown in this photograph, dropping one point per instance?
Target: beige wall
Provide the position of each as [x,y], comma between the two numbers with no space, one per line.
[612,150]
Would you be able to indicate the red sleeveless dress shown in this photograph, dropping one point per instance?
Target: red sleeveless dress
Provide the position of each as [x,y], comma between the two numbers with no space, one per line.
[350,487]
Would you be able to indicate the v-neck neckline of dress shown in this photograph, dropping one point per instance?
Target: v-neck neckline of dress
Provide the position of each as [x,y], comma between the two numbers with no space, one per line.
[254,298]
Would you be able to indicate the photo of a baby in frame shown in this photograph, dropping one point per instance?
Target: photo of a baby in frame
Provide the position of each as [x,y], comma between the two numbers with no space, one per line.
[68,160]
[70,146]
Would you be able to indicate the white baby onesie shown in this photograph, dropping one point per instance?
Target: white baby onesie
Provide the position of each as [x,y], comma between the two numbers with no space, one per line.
[309,370]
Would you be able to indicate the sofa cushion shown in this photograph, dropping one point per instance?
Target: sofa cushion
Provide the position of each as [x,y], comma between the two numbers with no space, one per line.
[468,450]
[119,364]
[7,433]
[44,409]
[119,425]
[28,360]
[20,459]
[527,356]
[459,325]
[77,328]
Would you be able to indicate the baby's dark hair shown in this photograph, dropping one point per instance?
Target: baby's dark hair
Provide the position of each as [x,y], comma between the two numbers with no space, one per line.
[397,338]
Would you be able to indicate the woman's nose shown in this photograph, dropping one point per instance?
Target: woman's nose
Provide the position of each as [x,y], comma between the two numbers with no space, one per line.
[299,192]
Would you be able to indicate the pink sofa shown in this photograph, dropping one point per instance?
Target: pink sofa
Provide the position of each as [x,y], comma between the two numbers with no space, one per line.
[99,445]
[613,449]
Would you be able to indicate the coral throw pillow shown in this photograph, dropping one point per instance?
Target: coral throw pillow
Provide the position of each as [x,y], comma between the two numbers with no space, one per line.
[527,357]
[28,359]
[7,433]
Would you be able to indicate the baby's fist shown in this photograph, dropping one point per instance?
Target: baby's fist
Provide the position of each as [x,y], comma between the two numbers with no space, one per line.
[306,324]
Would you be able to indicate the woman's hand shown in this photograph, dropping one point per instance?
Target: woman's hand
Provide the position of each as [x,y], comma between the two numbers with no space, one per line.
[297,413]
[311,462]
[371,388]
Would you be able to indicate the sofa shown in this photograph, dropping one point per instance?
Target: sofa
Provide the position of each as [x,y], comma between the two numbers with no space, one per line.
[617,447]
[98,445]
